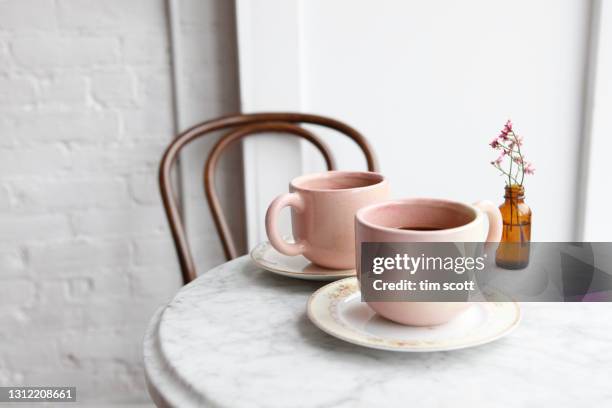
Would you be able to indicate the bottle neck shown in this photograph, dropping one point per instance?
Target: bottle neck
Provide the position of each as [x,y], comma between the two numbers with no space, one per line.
[515,193]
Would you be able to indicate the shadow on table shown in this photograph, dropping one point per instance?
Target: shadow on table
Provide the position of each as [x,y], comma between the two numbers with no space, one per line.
[264,279]
[340,350]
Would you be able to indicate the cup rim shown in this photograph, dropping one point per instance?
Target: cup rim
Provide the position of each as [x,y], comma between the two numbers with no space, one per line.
[326,174]
[361,214]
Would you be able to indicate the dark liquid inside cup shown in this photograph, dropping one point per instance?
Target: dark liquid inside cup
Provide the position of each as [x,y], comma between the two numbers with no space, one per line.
[416,228]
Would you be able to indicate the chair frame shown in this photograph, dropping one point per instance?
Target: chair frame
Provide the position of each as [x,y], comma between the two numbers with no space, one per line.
[242,125]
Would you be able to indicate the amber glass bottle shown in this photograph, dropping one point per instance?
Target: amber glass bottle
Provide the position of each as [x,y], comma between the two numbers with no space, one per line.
[513,250]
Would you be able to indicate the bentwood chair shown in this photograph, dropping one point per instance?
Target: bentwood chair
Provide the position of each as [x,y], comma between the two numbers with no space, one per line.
[239,127]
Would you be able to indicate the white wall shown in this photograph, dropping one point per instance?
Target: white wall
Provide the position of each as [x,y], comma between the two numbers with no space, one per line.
[598,126]
[85,113]
[270,81]
[209,87]
[431,83]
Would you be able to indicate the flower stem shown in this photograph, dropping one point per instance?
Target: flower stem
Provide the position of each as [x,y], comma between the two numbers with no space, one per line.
[510,177]
[518,148]
[510,171]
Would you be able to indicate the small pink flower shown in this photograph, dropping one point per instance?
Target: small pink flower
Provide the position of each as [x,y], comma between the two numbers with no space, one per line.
[516,141]
[519,141]
[508,143]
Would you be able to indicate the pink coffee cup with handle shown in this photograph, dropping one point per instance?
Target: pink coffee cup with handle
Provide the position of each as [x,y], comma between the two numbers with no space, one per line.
[323,207]
[427,220]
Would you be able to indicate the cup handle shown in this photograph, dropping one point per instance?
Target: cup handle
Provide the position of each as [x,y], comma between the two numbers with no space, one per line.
[285,200]
[495,220]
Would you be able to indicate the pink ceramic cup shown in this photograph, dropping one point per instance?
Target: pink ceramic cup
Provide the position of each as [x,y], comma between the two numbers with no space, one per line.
[452,221]
[323,207]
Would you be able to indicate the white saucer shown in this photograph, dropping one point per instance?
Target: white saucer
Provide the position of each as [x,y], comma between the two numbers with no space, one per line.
[337,309]
[268,258]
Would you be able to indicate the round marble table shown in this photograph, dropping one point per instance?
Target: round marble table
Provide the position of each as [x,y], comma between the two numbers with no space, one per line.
[239,337]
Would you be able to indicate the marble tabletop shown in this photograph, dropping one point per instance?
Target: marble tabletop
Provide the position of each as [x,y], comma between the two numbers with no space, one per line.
[239,337]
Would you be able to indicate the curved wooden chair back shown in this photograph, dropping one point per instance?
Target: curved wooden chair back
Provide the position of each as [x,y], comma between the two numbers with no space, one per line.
[240,127]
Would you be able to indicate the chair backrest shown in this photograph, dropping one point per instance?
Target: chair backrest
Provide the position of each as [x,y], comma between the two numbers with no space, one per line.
[241,126]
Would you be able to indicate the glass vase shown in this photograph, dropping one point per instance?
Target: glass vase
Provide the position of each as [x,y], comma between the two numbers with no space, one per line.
[513,250]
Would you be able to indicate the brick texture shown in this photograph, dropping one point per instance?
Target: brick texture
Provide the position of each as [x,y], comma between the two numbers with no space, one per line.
[85,253]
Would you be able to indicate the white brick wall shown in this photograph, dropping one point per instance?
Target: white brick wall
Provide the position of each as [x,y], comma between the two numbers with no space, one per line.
[85,113]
